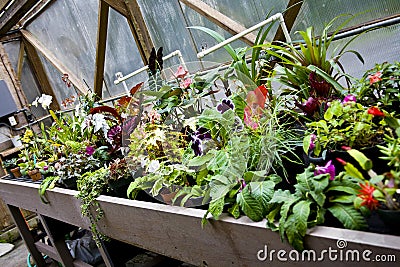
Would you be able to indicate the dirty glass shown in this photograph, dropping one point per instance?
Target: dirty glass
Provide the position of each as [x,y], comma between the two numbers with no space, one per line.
[68,29]
[122,55]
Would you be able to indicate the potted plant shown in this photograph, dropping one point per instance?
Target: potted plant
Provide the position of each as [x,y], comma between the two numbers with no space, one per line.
[380,191]
[380,87]
[12,168]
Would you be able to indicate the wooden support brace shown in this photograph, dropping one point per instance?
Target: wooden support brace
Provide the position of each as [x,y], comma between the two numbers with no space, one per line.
[28,36]
[139,30]
[292,10]
[101,47]
[40,73]
[220,19]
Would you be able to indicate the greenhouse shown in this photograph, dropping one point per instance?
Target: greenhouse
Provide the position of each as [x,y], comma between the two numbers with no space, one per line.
[199,133]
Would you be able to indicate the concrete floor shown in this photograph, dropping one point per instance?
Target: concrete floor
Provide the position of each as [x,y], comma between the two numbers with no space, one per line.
[16,257]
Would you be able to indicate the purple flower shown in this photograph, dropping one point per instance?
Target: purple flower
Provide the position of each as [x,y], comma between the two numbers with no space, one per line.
[200,135]
[312,144]
[89,150]
[310,106]
[225,105]
[197,146]
[114,132]
[45,168]
[349,98]
[328,168]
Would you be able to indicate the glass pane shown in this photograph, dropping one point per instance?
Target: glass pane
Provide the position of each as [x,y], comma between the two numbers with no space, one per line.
[12,50]
[369,45]
[68,29]
[122,55]
[317,13]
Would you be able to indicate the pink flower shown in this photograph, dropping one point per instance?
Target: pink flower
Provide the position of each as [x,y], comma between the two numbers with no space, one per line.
[349,98]
[89,150]
[180,72]
[186,83]
[329,168]
[375,78]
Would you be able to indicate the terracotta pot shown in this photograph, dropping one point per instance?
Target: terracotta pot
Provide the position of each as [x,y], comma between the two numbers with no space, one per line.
[16,172]
[35,175]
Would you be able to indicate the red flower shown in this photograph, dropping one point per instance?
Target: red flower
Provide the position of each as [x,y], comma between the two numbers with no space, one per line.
[376,112]
[375,78]
[366,194]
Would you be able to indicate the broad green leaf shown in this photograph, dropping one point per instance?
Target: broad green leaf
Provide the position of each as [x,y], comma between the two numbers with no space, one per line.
[235,210]
[348,216]
[216,207]
[201,160]
[353,171]
[301,211]
[249,205]
[293,235]
[262,192]
[346,199]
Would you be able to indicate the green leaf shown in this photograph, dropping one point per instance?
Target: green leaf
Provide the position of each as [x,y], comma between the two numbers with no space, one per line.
[346,199]
[235,211]
[216,207]
[327,77]
[201,160]
[250,206]
[364,162]
[218,38]
[348,216]
[301,211]
[293,235]
[353,171]
[262,192]
[307,143]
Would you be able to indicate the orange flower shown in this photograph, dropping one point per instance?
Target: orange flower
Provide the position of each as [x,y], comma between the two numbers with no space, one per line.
[375,78]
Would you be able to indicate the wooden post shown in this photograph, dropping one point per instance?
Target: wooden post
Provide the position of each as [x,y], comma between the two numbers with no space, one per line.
[139,30]
[101,48]
[26,235]
[289,16]
[7,73]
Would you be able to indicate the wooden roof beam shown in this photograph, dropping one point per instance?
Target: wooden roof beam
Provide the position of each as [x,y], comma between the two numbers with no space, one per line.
[290,15]
[220,19]
[40,73]
[54,60]
[139,29]
[14,13]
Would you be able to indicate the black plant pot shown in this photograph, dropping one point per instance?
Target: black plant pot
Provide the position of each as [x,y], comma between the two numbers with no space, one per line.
[379,165]
[391,219]
[119,188]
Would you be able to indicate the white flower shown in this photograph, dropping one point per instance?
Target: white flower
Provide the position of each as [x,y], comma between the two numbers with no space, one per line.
[99,122]
[35,102]
[45,100]
[153,166]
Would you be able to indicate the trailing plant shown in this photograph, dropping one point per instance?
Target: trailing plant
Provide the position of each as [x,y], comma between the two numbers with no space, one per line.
[90,186]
